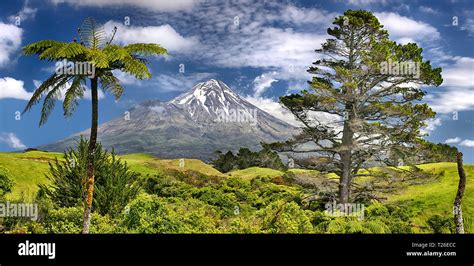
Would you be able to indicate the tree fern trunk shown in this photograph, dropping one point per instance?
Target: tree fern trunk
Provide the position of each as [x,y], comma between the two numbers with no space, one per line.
[90,158]
[458,221]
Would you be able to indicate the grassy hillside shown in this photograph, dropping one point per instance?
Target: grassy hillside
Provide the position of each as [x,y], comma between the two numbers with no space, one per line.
[148,164]
[437,197]
[253,172]
[423,200]
[28,169]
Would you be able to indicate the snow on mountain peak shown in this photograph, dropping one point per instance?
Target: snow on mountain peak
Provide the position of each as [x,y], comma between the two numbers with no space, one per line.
[209,96]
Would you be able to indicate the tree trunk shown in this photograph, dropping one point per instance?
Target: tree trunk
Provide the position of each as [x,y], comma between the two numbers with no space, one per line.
[457,209]
[90,158]
[346,157]
[344,180]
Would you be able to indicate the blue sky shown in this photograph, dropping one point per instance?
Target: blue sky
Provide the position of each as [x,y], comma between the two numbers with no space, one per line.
[261,49]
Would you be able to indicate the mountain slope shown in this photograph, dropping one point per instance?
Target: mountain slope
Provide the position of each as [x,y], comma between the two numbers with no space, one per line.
[207,118]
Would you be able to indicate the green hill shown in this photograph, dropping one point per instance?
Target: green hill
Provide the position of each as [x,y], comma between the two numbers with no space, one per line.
[29,169]
[253,172]
[437,197]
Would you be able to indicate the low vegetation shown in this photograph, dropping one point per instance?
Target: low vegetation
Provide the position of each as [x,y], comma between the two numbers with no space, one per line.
[165,196]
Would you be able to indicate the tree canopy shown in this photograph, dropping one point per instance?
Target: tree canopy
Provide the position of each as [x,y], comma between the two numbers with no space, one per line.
[370,89]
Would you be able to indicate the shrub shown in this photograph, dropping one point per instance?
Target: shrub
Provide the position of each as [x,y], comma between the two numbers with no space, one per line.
[115,185]
[438,224]
[69,221]
[152,214]
[6,183]
[246,158]
[285,217]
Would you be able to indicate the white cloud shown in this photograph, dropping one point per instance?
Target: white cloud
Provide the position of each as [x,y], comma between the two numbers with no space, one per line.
[243,34]
[12,140]
[179,82]
[468,26]
[459,74]
[263,82]
[125,78]
[274,108]
[452,140]
[160,5]
[300,15]
[366,2]
[271,47]
[165,35]
[10,41]
[452,99]
[428,10]
[14,89]
[467,143]
[24,14]
[432,124]
[404,29]
[457,91]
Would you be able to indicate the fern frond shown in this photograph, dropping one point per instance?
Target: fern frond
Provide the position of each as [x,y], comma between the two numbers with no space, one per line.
[40,47]
[135,68]
[73,93]
[115,52]
[92,34]
[145,49]
[44,87]
[71,51]
[50,100]
[111,83]
[98,58]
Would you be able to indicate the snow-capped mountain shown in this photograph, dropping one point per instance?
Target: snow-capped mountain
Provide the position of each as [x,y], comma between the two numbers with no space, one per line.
[206,99]
[208,117]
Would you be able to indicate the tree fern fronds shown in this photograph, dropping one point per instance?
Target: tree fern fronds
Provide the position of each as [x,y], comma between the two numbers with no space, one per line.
[135,68]
[115,52]
[92,34]
[145,49]
[72,94]
[111,83]
[43,88]
[40,47]
[51,98]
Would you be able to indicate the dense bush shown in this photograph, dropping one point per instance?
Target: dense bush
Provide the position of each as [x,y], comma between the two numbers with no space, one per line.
[69,221]
[6,183]
[439,224]
[190,202]
[260,205]
[115,184]
[152,214]
[246,158]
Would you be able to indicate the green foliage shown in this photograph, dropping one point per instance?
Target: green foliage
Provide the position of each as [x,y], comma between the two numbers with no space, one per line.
[396,219]
[152,214]
[194,202]
[115,184]
[285,217]
[68,220]
[246,158]
[6,183]
[440,224]
[429,152]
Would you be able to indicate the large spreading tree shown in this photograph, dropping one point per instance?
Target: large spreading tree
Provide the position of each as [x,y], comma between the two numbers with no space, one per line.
[363,103]
[94,49]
